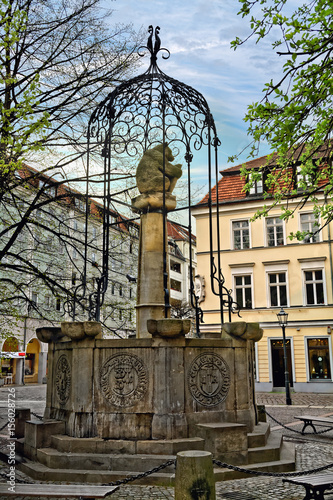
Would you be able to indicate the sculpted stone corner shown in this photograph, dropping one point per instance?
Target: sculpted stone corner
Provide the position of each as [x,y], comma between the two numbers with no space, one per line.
[243,331]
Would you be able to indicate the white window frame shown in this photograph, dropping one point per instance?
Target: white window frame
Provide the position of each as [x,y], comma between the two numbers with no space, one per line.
[300,227]
[313,265]
[301,178]
[243,219]
[276,269]
[306,350]
[257,187]
[266,232]
[243,271]
[256,357]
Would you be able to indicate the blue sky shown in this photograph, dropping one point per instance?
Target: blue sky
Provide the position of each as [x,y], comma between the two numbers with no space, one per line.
[198,34]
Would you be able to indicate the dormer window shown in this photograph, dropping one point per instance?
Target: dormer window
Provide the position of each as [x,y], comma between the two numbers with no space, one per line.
[257,184]
[302,180]
[80,204]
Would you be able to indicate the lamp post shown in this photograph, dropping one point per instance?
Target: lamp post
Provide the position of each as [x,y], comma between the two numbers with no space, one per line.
[283,320]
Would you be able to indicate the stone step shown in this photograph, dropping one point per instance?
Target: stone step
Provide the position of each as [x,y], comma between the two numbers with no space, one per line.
[285,464]
[226,441]
[268,453]
[259,436]
[68,444]
[55,459]
[40,472]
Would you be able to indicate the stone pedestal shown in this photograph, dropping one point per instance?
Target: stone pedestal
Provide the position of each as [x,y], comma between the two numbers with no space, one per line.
[152,388]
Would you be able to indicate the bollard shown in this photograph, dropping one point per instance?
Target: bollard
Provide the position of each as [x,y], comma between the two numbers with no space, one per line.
[194,476]
[21,416]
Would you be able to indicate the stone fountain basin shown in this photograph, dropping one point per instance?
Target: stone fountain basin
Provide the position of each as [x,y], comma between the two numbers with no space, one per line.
[168,327]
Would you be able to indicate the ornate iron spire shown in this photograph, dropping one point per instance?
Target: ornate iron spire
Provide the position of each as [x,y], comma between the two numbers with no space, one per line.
[154,48]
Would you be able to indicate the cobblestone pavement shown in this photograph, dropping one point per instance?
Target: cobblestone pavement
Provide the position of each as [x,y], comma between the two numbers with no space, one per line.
[312,451]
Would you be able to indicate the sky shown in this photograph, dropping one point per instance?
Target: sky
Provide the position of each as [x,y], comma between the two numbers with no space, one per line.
[198,34]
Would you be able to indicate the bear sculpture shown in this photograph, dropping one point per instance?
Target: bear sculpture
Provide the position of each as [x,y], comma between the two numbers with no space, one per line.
[149,173]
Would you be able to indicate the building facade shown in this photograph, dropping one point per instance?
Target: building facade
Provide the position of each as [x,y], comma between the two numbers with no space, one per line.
[52,244]
[266,270]
[183,263]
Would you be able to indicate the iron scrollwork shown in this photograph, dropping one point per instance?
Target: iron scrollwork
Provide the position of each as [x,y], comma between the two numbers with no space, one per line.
[138,114]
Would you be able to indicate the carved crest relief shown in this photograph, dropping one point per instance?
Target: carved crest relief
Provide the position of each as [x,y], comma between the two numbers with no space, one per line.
[63,379]
[123,380]
[209,379]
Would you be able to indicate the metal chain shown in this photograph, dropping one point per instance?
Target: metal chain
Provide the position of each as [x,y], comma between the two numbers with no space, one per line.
[295,430]
[271,474]
[35,415]
[141,475]
[2,428]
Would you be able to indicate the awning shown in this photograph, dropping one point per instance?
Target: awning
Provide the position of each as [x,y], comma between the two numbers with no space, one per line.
[7,354]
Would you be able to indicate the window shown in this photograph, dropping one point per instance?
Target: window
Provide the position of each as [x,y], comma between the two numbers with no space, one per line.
[47,302]
[302,180]
[75,225]
[74,253]
[310,223]
[176,285]
[73,278]
[175,266]
[130,293]
[51,191]
[120,291]
[93,257]
[58,304]
[80,204]
[319,359]
[243,291]
[277,289]
[120,314]
[34,298]
[94,232]
[112,288]
[314,287]
[257,185]
[274,232]
[241,234]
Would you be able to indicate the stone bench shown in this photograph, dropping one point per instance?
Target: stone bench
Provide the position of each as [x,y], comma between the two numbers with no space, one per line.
[308,421]
[315,485]
[56,490]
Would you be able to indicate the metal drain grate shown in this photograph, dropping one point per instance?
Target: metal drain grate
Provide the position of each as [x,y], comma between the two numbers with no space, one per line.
[237,495]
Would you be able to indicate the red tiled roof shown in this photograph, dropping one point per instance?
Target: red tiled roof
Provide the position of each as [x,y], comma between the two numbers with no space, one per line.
[231,186]
[178,232]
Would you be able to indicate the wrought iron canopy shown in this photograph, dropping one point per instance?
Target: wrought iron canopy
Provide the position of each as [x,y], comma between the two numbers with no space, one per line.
[138,114]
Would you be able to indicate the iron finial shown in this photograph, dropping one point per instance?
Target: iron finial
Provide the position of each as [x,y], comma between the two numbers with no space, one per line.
[155,47]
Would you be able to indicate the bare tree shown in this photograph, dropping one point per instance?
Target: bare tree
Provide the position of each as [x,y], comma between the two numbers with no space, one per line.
[58,59]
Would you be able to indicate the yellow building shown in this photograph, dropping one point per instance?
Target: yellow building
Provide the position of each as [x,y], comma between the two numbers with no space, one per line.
[266,271]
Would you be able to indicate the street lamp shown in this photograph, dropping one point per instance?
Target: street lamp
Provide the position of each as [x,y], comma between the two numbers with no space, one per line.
[283,320]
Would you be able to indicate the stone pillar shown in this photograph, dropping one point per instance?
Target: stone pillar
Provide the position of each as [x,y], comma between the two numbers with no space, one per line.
[150,288]
[194,476]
